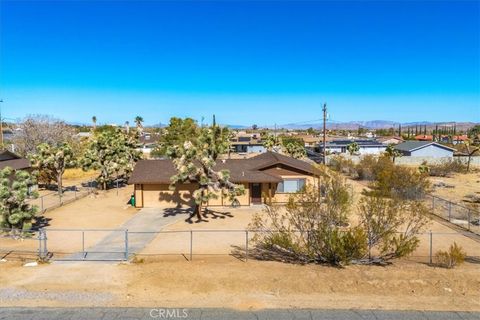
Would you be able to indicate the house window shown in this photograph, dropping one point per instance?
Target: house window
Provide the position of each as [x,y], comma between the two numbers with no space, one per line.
[291,185]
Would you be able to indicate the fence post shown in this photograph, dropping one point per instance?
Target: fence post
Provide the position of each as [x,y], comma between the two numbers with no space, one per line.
[433,204]
[191,245]
[468,219]
[41,198]
[40,250]
[431,247]
[75,192]
[45,249]
[246,245]
[449,210]
[126,244]
[83,244]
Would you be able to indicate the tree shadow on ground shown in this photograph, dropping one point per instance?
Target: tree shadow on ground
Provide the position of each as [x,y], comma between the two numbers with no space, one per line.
[40,222]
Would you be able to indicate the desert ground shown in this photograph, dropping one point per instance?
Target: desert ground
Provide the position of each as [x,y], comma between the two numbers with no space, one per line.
[226,282]
[457,186]
[163,275]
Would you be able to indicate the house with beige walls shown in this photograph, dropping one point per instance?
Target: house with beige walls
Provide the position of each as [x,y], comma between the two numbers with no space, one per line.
[268,178]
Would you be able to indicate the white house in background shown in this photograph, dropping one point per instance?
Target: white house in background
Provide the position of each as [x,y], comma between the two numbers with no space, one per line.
[425,149]
[366,146]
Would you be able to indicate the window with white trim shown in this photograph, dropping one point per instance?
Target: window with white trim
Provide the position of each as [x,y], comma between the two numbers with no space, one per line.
[291,185]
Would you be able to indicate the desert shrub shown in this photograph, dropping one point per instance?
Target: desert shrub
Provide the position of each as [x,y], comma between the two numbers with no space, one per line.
[343,165]
[370,166]
[382,218]
[446,168]
[314,227]
[454,256]
[400,182]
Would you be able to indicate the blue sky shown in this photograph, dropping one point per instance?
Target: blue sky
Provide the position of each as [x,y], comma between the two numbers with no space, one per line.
[247,62]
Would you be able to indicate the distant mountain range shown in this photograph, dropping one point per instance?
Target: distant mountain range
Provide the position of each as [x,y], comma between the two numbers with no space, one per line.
[374,124]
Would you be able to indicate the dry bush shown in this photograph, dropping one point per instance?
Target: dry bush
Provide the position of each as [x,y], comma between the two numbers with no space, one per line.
[400,182]
[314,227]
[343,165]
[446,168]
[370,166]
[382,218]
[455,255]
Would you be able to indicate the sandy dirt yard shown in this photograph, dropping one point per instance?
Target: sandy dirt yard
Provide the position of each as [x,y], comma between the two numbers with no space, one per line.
[102,210]
[230,283]
[458,186]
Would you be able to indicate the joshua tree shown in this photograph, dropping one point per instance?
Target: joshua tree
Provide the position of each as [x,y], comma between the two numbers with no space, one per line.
[52,161]
[353,148]
[392,153]
[112,153]
[195,161]
[15,212]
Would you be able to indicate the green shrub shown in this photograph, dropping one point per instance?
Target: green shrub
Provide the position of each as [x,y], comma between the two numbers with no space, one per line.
[454,256]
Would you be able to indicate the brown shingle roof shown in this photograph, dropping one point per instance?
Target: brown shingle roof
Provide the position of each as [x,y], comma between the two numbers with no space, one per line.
[241,170]
[10,159]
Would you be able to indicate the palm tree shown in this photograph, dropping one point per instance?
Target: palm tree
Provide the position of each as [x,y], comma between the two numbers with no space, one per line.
[138,122]
[94,120]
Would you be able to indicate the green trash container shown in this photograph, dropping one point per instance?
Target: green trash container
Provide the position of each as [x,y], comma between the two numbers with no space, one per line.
[132,200]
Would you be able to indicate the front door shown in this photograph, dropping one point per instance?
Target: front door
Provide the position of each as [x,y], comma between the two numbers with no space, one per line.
[256,193]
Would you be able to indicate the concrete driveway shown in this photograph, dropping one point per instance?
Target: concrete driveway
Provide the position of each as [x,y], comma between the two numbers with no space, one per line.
[142,230]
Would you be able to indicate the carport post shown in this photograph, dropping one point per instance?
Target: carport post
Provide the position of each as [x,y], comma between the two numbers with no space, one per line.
[126,244]
[191,245]
[246,245]
[431,247]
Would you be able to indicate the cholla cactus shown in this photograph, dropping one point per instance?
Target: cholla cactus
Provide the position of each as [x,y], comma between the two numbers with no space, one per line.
[15,212]
[112,153]
[195,162]
[53,160]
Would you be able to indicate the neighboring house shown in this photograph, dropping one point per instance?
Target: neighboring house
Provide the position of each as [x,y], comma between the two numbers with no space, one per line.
[269,177]
[83,135]
[247,144]
[147,142]
[10,159]
[390,140]
[423,137]
[309,140]
[366,146]
[425,149]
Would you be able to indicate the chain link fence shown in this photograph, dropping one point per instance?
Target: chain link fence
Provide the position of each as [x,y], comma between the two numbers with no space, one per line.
[54,200]
[462,216]
[123,245]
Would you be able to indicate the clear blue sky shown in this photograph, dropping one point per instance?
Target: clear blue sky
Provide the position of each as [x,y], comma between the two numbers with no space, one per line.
[247,62]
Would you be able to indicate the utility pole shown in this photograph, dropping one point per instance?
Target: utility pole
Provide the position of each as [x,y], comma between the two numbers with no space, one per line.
[1,126]
[324,109]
